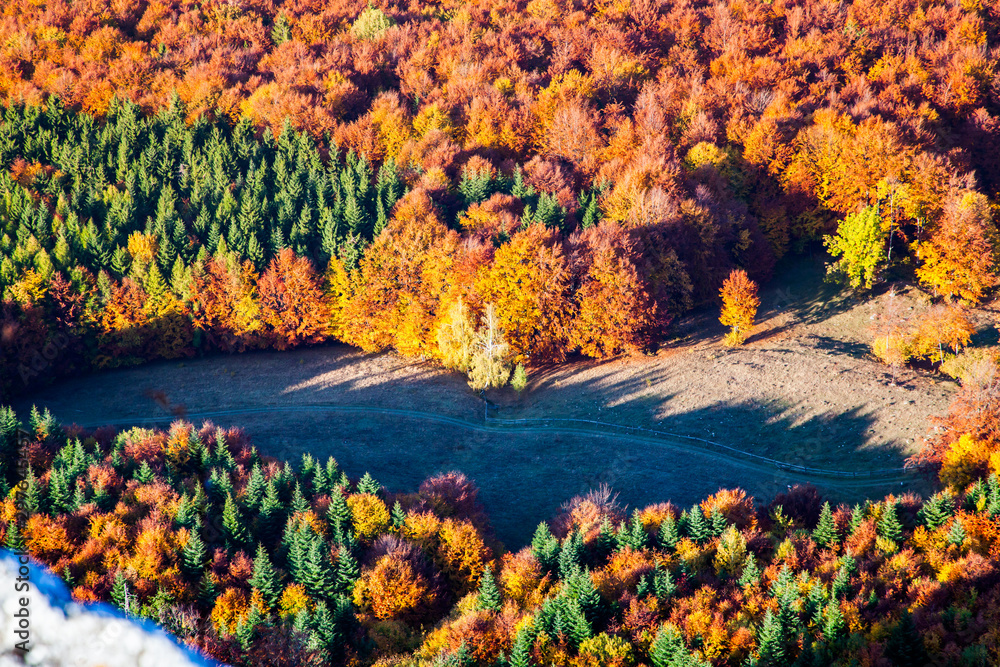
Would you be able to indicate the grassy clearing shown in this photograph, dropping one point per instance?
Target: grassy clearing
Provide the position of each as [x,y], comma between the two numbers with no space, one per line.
[802,391]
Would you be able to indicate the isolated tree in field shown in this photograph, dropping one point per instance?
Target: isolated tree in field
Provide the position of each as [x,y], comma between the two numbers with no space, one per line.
[860,246]
[489,364]
[739,306]
[891,332]
[943,328]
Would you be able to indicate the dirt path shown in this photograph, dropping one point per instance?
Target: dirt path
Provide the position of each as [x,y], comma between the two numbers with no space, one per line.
[802,391]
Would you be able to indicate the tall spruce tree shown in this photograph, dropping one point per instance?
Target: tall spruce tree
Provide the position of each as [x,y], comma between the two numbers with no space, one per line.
[889,526]
[545,547]
[489,594]
[265,578]
[826,530]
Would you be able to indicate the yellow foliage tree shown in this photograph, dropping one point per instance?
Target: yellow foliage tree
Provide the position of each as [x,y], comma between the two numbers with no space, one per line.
[739,306]
[965,461]
[370,515]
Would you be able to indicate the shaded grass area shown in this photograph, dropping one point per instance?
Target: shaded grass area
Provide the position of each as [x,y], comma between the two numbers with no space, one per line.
[810,399]
[526,475]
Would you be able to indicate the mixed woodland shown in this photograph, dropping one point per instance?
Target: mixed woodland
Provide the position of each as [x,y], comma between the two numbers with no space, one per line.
[255,561]
[490,185]
[181,177]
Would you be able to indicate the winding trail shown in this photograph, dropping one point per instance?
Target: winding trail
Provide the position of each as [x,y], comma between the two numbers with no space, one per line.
[666,440]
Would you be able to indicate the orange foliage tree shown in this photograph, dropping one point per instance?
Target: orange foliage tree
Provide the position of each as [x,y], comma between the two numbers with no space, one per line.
[739,306]
[614,310]
[529,284]
[291,302]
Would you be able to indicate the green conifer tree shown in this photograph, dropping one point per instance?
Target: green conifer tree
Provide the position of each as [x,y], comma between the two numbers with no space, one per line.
[319,577]
[697,528]
[489,594]
[667,647]
[956,534]
[234,530]
[265,578]
[256,486]
[193,555]
[751,573]
[545,547]
[770,642]
[668,536]
[398,516]
[889,526]
[367,484]
[937,510]
[348,571]
[144,474]
[826,530]
[520,652]
[33,498]
[570,555]
[271,515]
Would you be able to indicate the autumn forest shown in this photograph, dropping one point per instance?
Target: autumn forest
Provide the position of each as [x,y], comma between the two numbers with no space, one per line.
[496,188]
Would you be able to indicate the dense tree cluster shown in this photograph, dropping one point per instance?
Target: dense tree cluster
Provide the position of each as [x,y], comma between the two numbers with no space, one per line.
[614,162]
[260,562]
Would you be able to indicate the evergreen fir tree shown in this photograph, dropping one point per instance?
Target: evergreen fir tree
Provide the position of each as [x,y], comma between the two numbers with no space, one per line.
[833,622]
[14,540]
[956,534]
[857,517]
[32,503]
[59,494]
[398,516]
[576,626]
[233,527]
[339,514]
[751,573]
[193,555]
[246,630]
[520,652]
[770,642]
[265,578]
[663,585]
[637,538]
[718,521]
[489,594]
[368,485]
[668,535]
[319,577]
[348,571]
[826,530]
[697,528]
[144,474]
[298,540]
[905,647]
[299,502]
[207,590]
[668,646]
[889,526]
[605,542]
[571,555]
[580,587]
[121,596]
[185,515]
[993,495]
[936,511]
[545,547]
[271,515]
[255,488]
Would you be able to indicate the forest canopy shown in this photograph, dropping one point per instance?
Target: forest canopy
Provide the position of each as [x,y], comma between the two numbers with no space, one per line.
[224,175]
